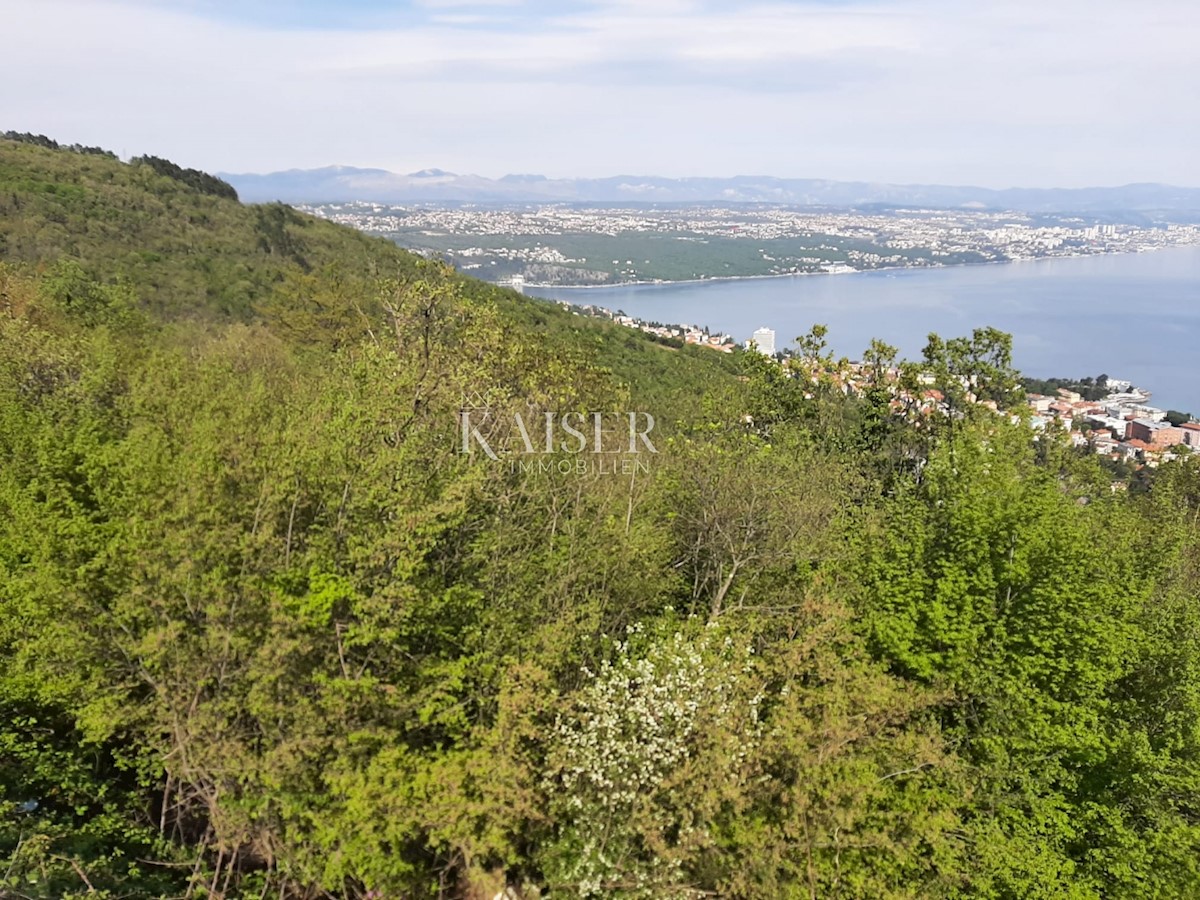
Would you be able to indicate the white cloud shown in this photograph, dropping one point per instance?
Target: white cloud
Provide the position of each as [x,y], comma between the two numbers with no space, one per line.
[997,93]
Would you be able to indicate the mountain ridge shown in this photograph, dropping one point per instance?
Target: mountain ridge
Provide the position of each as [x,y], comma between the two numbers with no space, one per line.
[344,183]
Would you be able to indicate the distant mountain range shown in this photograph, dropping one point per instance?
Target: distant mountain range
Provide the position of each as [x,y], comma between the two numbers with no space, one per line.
[341,183]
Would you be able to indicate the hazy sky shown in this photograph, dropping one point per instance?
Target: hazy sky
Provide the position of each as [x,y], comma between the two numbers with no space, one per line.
[999,94]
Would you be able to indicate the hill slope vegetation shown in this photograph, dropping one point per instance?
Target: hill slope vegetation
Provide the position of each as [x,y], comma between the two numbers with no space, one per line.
[266,629]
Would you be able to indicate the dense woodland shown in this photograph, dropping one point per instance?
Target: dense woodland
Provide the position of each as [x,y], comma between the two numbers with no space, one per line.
[266,632]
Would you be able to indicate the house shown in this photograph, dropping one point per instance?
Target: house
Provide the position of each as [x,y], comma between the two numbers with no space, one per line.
[1153,413]
[1118,427]
[1039,402]
[1133,449]
[1159,435]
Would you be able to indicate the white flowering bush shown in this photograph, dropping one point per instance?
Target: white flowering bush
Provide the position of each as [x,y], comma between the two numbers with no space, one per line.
[660,711]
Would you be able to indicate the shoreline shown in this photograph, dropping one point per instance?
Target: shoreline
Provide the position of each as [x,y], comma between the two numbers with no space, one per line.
[723,278]
[782,305]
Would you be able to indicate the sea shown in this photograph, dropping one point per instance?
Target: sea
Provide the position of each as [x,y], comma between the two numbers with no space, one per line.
[1133,316]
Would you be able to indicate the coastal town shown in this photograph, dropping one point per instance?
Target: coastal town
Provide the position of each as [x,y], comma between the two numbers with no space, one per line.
[1119,424]
[696,335]
[566,244]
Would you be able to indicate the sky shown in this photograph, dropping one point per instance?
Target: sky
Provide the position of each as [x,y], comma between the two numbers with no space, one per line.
[1031,93]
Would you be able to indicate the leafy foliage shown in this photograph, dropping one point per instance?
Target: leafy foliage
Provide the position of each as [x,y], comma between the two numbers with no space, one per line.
[1088,388]
[266,631]
[194,178]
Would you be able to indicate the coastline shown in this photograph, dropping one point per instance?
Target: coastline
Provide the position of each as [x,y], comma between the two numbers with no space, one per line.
[1132,313]
[726,278]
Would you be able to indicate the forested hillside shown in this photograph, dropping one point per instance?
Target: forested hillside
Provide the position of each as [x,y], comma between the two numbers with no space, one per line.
[266,631]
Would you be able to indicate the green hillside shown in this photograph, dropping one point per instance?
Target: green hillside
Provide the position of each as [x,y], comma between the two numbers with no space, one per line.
[269,628]
[191,253]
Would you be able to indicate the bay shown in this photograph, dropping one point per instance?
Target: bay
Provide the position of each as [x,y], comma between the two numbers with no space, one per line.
[1134,316]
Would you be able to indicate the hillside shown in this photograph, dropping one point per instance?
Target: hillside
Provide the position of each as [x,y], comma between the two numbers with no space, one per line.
[190,254]
[317,582]
[184,251]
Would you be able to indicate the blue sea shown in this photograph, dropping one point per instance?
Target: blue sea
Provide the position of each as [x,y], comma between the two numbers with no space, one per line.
[1133,316]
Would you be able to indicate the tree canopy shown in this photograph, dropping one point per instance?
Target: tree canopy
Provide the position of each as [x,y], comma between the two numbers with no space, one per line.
[266,629]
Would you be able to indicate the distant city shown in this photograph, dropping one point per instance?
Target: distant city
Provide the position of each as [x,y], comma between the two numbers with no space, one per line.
[571,245]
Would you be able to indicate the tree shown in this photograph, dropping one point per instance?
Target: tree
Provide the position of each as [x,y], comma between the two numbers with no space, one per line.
[974,369]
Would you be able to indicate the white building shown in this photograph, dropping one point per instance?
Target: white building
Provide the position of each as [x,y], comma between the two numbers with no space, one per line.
[764,340]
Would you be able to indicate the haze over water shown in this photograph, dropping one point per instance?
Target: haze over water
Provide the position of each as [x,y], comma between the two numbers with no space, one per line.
[1134,316]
